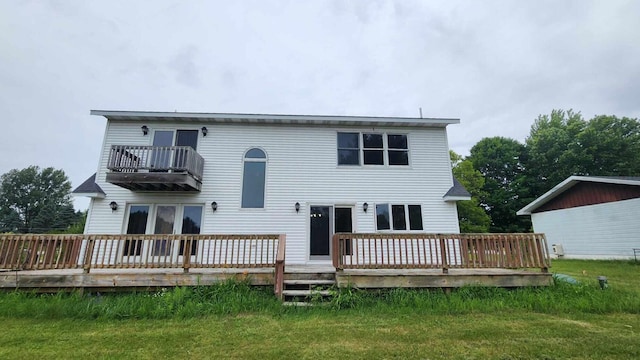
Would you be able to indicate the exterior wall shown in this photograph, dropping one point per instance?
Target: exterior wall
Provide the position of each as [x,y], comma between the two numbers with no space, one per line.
[602,231]
[301,167]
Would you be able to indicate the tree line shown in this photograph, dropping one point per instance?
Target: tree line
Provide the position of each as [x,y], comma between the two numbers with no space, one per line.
[34,200]
[504,175]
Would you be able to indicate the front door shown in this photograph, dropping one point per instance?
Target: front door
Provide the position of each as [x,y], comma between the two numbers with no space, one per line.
[324,222]
[321,232]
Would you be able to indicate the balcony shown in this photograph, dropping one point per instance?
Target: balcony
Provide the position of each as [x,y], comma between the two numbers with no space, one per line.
[155,168]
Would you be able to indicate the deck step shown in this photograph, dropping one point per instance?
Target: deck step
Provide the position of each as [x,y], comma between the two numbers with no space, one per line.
[306,293]
[309,282]
[297,303]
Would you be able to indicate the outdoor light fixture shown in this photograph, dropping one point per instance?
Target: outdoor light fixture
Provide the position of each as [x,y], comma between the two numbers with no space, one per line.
[297,207]
[365,206]
[145,130]
[204,131]
[214,206]
[113,205]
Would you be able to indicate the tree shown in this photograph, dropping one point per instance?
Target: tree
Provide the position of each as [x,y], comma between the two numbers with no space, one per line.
[500,160]
[471,216]
[34,200]
[563,144]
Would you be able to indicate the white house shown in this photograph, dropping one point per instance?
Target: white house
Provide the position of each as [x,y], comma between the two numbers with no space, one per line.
[304,176]
[590,217]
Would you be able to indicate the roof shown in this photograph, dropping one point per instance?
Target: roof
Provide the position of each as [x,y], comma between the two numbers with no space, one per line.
[457,192]
[89,188]
[572,181]
[274,119]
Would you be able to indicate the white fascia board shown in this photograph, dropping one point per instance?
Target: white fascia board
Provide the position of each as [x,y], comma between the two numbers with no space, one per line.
[90,195]
[456,198]
[273,119]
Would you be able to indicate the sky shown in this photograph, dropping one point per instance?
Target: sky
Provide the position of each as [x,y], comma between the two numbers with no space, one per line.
[495,65]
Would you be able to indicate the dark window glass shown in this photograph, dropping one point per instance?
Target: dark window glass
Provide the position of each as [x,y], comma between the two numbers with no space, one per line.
[399,221]
[415,217]
[397,141]
[382,216]
[191,222]
[187,138]
[372,141]
[398,157]
[255,154]
[137,225]
[374,157]
[253,184]
[348,141]
[348,149]
[348,157]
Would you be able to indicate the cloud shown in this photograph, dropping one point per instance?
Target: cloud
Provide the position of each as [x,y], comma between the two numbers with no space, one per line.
[497,65]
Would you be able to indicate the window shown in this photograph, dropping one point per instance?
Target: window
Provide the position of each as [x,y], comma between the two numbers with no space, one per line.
[373,149]
[398,149]
[376,149]
[162,219]
[398,217]
[348,149]
[138,215]
[253,180]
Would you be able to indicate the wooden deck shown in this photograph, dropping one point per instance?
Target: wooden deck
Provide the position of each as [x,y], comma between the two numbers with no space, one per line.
[123,262]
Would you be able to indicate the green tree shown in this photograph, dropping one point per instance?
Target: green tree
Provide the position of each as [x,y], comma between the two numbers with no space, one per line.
[500,160]
[563,144]
[471,216]
[34,200]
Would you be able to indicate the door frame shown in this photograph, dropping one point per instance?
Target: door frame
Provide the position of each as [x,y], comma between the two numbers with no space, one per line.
[332,227]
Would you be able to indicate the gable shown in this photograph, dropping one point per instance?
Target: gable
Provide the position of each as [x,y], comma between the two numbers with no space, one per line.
[590,193]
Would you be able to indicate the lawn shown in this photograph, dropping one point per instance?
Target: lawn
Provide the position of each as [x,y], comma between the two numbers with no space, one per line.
[560,322]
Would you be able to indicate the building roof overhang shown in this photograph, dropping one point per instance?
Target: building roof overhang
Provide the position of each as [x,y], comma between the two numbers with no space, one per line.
[571,181]
[323,120]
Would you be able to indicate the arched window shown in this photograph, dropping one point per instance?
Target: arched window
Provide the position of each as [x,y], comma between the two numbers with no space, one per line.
[253,179]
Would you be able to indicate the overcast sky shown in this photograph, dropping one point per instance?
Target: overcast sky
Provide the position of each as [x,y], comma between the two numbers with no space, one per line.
[496,65]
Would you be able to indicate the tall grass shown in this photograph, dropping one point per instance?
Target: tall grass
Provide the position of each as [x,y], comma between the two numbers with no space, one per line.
[237,297]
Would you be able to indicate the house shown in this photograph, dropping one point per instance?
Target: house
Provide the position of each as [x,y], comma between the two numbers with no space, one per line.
[589,217]
[304,176]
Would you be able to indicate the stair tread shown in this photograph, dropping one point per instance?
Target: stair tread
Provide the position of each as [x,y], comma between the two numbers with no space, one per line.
[310,282]
[296,303]
[305,292]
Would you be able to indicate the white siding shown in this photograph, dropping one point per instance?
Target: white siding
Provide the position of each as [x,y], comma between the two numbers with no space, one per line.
[602,231]
[301,167]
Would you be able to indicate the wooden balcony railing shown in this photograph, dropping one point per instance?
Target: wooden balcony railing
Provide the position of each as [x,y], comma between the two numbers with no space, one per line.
[127,158]
[440,251]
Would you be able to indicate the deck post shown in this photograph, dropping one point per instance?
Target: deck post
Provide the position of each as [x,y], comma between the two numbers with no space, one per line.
[443,254]
[186,255]
[88,254]
[278,280]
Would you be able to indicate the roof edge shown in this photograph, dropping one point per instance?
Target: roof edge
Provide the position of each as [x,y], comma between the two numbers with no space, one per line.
[566,185]
[273,117]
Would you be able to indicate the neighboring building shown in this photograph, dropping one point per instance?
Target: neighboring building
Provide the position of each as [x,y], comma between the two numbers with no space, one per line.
[589,217]
[304,176]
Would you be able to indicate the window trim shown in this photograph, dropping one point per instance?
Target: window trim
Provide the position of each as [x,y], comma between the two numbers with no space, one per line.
[264,160]
[385,149]
[407,217]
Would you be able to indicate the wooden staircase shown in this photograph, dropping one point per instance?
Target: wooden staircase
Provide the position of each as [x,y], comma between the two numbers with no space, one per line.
[301,288]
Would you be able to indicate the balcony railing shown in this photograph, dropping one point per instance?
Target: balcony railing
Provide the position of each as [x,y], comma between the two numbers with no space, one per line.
[155,168]
[127,158]
[440,251]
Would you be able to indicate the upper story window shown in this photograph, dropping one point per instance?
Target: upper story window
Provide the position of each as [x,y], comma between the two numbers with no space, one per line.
[376,149]
[399,217]
[253,179]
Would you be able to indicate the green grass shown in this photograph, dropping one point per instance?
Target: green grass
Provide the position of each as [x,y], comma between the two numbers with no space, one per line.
[233,320]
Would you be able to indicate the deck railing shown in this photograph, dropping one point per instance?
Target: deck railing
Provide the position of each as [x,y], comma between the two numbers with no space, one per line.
[440,251]
[128,158]
[40,252]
